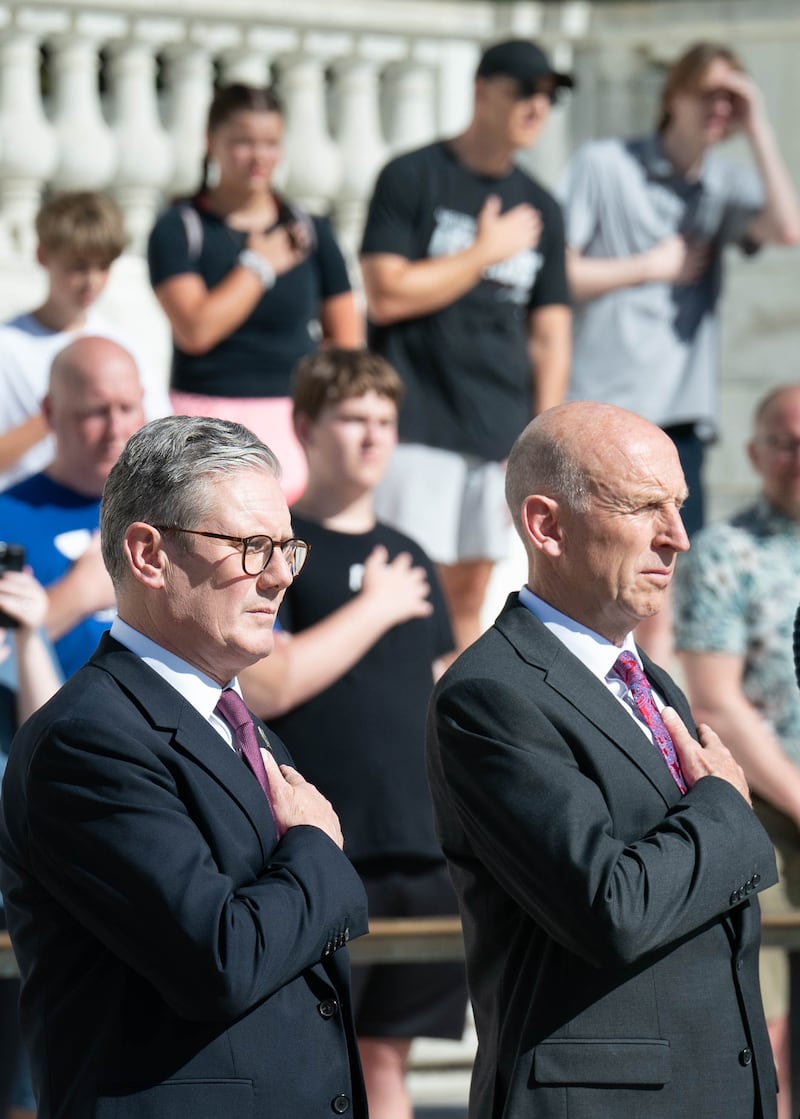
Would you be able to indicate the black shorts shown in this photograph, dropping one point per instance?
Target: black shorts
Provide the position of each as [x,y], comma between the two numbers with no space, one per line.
[410,1000]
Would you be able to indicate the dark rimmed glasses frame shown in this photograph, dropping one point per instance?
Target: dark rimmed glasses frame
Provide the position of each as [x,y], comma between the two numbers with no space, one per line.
[256,550]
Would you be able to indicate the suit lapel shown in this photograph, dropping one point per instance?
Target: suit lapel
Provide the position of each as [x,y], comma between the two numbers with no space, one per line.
[189,733]
[588,696]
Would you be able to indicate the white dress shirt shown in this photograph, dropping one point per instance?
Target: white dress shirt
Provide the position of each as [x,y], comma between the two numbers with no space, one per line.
[595,652]
[198,689]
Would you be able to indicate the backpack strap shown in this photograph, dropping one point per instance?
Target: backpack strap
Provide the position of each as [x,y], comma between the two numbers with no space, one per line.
[193,227]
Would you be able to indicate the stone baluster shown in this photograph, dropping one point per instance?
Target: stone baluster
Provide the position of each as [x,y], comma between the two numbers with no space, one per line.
[618,69]
[189,80]
[361,146]
[410,97]
[312,165]
[548,158]
[145,163]
[87,150]
[28,147]
[244,64]
[457,62]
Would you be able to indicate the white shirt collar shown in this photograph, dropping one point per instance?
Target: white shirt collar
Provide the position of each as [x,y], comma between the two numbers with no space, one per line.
[592,650]
[195,686]
[597,653]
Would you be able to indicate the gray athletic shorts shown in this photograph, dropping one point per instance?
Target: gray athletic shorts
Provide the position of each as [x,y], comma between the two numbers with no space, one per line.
[453,505]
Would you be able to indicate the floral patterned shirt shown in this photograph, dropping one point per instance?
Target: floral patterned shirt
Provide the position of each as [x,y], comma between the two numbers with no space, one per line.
[736,591]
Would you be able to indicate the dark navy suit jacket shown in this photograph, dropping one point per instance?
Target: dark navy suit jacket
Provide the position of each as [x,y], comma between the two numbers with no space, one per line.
[176,960]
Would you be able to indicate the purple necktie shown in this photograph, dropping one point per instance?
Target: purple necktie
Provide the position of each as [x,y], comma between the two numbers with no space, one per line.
[232,708]
[627,667]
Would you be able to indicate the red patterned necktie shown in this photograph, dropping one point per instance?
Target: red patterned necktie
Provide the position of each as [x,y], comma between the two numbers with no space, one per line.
[232,708]
[627,667]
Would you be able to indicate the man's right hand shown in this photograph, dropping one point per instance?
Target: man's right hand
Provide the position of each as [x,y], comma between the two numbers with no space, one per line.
[296,801]
[399,589]
[676,260]
[706,758]
[501,236]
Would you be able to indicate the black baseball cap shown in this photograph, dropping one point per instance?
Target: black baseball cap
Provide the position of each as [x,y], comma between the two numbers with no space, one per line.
[523,61]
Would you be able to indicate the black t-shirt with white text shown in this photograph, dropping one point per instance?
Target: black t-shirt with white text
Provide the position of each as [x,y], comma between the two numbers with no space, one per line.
[466,368]
[362,740]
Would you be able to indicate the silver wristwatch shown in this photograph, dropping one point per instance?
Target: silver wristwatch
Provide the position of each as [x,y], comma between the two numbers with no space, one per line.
[250,259]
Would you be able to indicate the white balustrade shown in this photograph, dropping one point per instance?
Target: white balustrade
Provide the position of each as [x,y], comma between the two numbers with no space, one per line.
[189,78]
[28,147]
[87,150]
[360,141]
[359,82]
[145,161]
[549,155]
[312,160]
[456,61]
[410,96]
[244,64]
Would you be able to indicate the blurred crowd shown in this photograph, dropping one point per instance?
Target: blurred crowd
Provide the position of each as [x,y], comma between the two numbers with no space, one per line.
[488,300]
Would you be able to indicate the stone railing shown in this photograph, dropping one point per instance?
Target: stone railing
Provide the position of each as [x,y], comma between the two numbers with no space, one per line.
[113,94]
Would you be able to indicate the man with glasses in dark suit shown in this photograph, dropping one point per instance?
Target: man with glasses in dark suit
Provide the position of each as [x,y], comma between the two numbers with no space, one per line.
[176,892]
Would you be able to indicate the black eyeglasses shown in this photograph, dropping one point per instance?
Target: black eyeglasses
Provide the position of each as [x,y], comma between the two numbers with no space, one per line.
[256,550]
[786,447]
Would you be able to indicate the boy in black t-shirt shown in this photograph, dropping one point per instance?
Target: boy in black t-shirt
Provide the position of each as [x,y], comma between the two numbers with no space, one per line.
[347,687]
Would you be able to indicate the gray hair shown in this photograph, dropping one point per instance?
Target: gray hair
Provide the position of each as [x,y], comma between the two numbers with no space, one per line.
[163,476]
[542,463]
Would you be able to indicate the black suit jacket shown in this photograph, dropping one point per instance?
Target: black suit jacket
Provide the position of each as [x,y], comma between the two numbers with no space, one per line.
[611,925]
[176,960]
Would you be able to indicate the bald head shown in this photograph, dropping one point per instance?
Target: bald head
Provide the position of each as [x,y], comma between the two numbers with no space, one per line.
[774,404]
[775,448]
[93,405]
[595,492]
[571,451]
[89,359]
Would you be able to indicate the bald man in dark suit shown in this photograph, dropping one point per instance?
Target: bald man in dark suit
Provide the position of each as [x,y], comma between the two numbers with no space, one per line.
[604,850]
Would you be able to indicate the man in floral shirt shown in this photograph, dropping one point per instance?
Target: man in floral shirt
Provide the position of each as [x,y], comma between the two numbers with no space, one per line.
[736,594]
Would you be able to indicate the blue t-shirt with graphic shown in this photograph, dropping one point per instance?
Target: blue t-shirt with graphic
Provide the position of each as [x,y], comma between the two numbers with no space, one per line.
[55,524]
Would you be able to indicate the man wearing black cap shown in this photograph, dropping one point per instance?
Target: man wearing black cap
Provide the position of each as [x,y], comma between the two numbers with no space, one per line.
[463,266]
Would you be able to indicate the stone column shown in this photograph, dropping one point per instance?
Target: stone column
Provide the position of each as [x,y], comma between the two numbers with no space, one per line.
[312,161]
[361,147]
[244,64]
[410,97]
[189,79]
[28,148]
[145,163]
[87,151]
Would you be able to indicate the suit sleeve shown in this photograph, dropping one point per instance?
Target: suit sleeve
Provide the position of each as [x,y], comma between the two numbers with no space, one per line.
[115,840]
[540,824]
